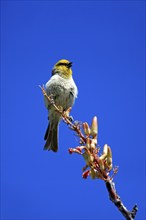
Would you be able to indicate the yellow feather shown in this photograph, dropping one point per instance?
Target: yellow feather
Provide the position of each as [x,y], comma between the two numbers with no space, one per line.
[63,69]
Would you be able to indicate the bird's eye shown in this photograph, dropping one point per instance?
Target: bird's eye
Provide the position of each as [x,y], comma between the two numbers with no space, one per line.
[62,64]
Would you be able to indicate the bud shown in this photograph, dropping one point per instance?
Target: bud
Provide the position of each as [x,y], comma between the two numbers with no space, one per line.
[109,152]
[93,173]
[92,145]
[110,167]
[70,150]
[95,141]
[109,159]
[101,164]
[94,127]
[104,154]
[88,158]
[80,148]
[86,174]
[88,143]
[86,129]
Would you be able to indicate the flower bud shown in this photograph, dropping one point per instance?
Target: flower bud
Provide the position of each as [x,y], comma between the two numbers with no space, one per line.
[109,158]
[86,129]
[109,163]
[79,148]
[92,145]
[93,173]
[109,152]
[70,150]
[88,143]
[94,127]
[86,174]
[101,164]
[95,141]
[105,152]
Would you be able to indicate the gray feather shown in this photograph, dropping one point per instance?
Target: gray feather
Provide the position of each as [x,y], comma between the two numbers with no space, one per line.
[51,137]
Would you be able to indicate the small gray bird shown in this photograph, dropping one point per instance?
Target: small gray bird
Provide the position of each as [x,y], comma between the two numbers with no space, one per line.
[64,91]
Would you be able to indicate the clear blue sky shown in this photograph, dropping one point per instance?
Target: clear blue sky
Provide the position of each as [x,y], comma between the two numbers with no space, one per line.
[105,41]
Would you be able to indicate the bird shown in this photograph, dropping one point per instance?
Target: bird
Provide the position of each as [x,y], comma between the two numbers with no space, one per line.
[62,88]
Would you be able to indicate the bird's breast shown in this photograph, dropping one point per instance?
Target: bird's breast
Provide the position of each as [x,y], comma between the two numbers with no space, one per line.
[64,91]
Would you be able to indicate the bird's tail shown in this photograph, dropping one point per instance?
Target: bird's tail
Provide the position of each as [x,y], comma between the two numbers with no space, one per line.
[51,137]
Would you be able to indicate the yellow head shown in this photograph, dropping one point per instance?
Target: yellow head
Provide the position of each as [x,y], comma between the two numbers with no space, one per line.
[63,68]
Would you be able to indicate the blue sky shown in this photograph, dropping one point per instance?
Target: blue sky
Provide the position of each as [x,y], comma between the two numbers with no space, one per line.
[105,40]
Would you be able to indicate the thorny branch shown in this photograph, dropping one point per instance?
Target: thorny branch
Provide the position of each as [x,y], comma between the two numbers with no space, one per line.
[98,167]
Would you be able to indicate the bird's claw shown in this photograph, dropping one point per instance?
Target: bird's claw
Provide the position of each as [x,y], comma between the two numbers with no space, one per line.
[70,118]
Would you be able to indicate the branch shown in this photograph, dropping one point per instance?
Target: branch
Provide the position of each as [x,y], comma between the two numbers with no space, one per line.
[114,197]
[97,167]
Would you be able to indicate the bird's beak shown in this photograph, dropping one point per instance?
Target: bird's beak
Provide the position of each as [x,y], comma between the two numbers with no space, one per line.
[69,65]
